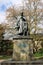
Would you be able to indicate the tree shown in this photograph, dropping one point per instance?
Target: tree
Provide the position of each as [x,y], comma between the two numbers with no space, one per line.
[35,15]
[5,45]
[1,32]
[1,35]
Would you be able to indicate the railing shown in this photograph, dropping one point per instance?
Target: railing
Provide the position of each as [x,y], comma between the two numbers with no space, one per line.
[38,62]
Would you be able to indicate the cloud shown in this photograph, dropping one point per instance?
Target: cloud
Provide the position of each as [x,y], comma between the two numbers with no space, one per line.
[42,0]
[4,4]
[2,17]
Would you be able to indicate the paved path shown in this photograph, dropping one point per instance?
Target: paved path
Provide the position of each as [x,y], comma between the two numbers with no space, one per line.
[1,61]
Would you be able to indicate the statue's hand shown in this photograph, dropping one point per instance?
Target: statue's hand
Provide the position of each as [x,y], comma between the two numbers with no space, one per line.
[17,28]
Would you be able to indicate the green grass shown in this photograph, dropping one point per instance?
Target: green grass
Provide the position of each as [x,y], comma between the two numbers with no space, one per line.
[5,57]
[38,55]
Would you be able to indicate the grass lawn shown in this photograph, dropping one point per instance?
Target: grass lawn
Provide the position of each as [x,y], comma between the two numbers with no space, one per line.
[38,55]
[5,57]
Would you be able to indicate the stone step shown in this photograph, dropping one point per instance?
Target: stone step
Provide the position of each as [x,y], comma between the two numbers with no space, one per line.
[23,37]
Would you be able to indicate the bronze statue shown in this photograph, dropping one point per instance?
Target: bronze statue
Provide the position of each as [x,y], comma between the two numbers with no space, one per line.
[22,26]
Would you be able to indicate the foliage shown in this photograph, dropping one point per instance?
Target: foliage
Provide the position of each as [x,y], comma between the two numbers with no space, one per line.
[5,57]
[39,54]
[6,47]
[34,15]
[1,32]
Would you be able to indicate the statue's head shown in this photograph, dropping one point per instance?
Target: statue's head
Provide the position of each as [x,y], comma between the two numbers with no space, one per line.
[22,17]
[22,14]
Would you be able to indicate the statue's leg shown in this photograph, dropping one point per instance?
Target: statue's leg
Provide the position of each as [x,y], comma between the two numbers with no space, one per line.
[25,32]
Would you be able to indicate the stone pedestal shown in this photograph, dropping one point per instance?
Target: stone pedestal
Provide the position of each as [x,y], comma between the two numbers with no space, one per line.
[22,48]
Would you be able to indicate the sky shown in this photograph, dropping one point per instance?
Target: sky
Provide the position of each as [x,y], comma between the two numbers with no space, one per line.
[4,4]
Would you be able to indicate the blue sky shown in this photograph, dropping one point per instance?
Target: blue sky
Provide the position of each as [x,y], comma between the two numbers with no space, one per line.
[4,4]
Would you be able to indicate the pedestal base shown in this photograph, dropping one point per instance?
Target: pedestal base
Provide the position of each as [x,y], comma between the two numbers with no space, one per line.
[22,48]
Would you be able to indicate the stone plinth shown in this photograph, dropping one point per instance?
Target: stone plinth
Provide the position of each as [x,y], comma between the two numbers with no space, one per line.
[22,48]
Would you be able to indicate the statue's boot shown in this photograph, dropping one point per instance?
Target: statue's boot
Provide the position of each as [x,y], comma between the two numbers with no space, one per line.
[19,33]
